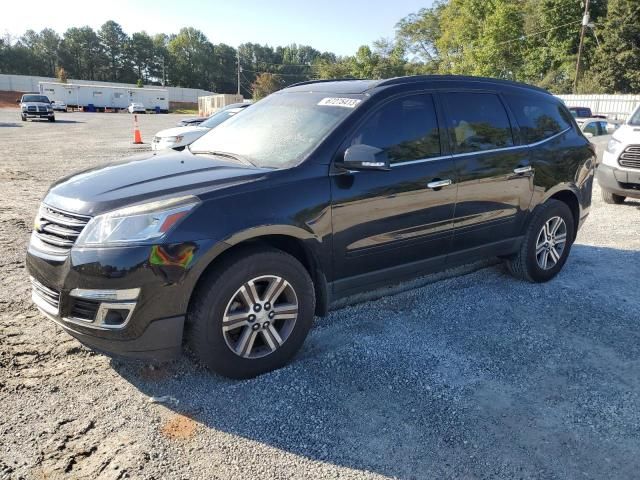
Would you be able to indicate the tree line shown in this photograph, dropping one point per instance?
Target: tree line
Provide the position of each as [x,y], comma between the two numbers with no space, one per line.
[534,41]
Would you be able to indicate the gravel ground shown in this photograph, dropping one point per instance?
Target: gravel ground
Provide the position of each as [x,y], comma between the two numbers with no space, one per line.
[472,376]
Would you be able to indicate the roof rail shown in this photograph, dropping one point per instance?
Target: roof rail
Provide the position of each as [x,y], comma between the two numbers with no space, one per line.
[308,82]
[421,78]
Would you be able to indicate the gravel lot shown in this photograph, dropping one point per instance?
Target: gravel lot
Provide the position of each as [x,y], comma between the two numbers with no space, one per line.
[473,376]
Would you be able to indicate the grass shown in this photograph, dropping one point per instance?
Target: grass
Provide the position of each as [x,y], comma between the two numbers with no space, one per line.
[185,111]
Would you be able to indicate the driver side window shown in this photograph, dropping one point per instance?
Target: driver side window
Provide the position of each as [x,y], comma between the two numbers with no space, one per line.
[405,128]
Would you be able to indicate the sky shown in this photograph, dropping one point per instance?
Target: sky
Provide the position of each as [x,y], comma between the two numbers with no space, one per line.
[339,26]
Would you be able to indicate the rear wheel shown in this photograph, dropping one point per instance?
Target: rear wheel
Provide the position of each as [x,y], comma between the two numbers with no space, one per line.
[612,198]
[252,313]
[546,243]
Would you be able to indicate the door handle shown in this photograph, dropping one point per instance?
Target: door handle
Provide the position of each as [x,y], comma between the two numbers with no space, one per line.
[439,183]
[521,170]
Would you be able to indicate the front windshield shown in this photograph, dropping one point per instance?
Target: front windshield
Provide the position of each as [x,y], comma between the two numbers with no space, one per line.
[635,118]
[280,130]
[35,98]
[217,118]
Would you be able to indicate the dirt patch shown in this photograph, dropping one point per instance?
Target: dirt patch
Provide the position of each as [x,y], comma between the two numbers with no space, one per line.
[179,427]
[8,99]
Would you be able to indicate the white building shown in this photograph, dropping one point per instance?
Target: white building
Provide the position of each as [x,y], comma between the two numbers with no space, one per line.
[101,97]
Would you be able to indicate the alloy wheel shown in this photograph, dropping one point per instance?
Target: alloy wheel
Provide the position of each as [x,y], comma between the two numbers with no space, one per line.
[260,316]
[551,243]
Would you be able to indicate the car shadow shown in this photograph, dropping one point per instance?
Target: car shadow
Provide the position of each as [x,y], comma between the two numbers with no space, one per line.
[485,387]
[10,124]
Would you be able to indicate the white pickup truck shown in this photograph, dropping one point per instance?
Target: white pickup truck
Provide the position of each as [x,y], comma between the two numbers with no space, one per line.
[35,105]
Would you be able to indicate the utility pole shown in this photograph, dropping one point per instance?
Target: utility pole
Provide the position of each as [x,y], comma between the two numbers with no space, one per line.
[238,51]
[585,24]
[163,73]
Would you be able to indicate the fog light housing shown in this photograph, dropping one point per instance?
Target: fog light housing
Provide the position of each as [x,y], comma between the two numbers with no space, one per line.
[114,310]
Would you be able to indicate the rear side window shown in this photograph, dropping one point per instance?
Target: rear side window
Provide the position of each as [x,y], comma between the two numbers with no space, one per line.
[406,128]
[477,121]
[538,118]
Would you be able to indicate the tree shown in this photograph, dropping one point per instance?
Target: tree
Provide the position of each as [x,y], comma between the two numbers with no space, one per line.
[264,84]
[81,54]
[419,32]
[192,59]
[141,52]
[113,40]
[616,66]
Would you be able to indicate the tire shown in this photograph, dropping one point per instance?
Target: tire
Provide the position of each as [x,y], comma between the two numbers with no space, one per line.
[525,264]
[612,198]
[52,119]
[24,119]
[218,294]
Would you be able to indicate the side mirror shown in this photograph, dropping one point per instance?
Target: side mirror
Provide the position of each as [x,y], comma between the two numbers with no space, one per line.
[365,157]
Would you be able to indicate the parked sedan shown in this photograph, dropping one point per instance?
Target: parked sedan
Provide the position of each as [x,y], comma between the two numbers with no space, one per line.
[58,106]
[593,127]
[179,137]
[136,108]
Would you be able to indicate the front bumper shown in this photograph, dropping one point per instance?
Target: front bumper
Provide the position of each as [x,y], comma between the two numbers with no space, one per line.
[152,317]
[38,114]
[624,182]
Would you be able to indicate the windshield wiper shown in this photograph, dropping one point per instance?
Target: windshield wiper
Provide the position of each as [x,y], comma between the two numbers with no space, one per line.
[219,153]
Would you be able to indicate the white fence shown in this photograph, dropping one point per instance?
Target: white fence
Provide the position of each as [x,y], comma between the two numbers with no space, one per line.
[615,107]
[27,83]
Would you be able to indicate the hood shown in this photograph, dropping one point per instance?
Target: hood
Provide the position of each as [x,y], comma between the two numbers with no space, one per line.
[627,133]
[144,178]
[174,132]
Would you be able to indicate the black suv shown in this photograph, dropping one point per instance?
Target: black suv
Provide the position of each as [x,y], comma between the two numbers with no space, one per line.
[317,192]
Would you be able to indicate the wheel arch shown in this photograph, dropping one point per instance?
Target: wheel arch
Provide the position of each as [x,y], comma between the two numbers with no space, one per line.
[294,241]
[570,197]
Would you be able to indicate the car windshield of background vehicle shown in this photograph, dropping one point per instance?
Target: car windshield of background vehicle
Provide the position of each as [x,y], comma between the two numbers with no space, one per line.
[280,130]
[35,98]
[219,118]
[635,118]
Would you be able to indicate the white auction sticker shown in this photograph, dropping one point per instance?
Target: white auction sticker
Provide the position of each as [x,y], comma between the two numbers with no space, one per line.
[340,102]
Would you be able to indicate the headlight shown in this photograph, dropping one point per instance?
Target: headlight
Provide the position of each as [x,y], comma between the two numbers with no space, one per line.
[613,145]
[139,223]
[173,139]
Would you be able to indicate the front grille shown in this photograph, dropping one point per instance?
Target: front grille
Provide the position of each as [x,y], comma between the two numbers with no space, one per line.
[31,109]
[630,157]
[84,309]
[45,297]
[42,109]
[56,230]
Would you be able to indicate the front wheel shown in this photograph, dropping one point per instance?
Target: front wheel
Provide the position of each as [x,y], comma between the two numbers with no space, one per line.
[24,119]
[546,243]
[52,119]
[251,313]
[612,198]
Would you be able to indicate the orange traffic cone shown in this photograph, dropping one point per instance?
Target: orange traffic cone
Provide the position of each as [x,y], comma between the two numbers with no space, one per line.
[137,137]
